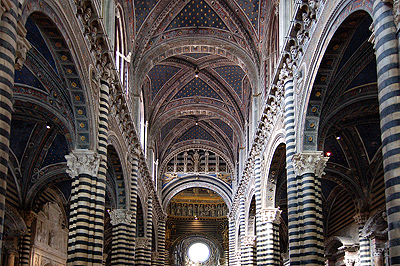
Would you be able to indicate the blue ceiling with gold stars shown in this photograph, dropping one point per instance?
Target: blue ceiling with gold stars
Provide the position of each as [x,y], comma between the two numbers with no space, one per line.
[159,75]
[233,75]
[197,87]
[197,13]
[198,83]
[142,10]
[251,8]
[196,132]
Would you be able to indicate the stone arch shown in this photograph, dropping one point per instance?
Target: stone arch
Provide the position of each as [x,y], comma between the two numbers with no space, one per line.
[202,181]
[78,89]
[343,11]
[278,138]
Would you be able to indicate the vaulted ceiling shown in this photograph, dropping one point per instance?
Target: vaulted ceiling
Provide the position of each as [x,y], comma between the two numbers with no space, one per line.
[198,64]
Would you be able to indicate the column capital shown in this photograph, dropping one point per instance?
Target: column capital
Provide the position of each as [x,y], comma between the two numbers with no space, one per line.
[271,215]
[249,241]
[310,162]
[121,216]
[23,46]
[361,218]
[82,161]
[142,242]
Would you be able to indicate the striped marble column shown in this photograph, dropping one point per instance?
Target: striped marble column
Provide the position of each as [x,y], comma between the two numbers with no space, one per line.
[143,244]
[268,252]
[134,159]
[25,241]
[242,225]
[121,250]
[249,250]
[83,168]
[309,166]
[387,59]
[232,240]
[292,198]
[161,243]
[149,231]
[8,37]
[364,254]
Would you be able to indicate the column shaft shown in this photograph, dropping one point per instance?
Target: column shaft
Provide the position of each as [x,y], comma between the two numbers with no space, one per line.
[8,36]
[292,197]
[121,248]
[387,57]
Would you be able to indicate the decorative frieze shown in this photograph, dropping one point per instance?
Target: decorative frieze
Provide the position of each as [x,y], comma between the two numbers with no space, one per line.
[121,216]
[310,162]
[82,162]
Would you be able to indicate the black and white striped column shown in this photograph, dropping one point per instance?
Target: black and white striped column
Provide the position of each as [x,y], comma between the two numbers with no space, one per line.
[161,243]
[292,198]
[387,58]
[249,257]
[134,159]
[309,167]
[25,241]
[83,168]
[364,254]
[8,37]
[149,231]
[121,250]
[232,240]
[268,252]
[143,244]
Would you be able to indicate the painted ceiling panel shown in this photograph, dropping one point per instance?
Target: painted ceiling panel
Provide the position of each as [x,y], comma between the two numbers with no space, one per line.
[36,39]
[197,87]
[20,133]
[159,75]
[168,127]
[57,151]
[337,155]
[371,136]
[197,13]
[224,127]
[142,9]
[233,75]
[24,76]
[251,7]
[196,132]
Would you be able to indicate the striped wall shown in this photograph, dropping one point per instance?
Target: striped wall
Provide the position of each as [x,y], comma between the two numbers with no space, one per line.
[387,57]
[8,26]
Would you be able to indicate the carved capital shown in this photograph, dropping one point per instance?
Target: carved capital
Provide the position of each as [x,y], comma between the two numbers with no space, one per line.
[23,46]
[142,242]
[121,216]
[361,218]
[249,241]
[310,162]
[82,162]
[271,215]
